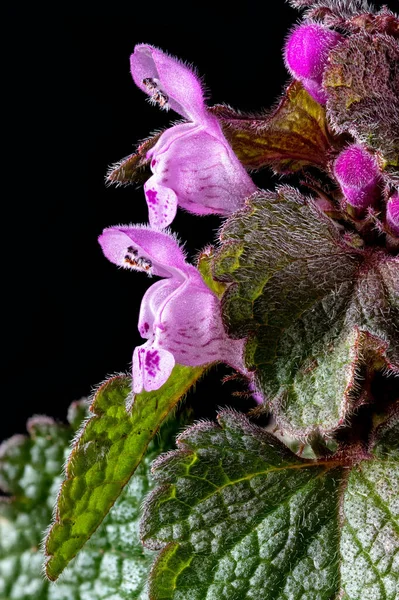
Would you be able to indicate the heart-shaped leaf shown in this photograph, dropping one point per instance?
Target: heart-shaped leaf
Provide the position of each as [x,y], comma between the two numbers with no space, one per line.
[321,313]
[237,515]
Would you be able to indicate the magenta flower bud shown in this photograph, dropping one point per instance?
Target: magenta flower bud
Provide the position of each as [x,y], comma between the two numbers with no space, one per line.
[357,173]
[393,214]
[306,53]
[180,317]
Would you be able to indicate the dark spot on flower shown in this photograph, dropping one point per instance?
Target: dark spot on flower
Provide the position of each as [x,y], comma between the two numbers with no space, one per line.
[152,362]
[152,196]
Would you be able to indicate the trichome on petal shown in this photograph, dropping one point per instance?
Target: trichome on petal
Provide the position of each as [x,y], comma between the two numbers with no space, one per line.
[393,214]
[180,316]
[192,163]
[357,172]
[306,53]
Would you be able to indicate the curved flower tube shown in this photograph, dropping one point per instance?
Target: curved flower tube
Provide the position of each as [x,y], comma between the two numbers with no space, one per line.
[179,316]
[192,163]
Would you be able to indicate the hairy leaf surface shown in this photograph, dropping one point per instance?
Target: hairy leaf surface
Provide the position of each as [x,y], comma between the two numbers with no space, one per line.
[237,515]
[295,135]
[370,532]
[113,565]
[134,168]
[321,313]
[362,82]
[105,456]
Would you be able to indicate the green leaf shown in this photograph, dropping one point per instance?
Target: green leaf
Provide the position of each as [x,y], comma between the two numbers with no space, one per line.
[105,456]
[113,565]
[134,168]
[370,528]
[362,82]
[28,468]
[239,516]
[205,268]
[320,313]
[386,437]
[293,136]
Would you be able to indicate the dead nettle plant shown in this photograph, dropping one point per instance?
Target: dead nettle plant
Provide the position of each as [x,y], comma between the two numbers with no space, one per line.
[298,498]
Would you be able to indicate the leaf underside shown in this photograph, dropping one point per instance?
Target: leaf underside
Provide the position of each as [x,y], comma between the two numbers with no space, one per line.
[134,168]
[105,456]
[321,314]
[293,136]
[237,515]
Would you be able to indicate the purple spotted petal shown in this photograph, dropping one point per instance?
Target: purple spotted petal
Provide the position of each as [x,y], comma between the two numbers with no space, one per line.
[142,249]
[194,166]
[168,81]
[393,214]
[358,175]
[180,317]
[151,367]
[161,202]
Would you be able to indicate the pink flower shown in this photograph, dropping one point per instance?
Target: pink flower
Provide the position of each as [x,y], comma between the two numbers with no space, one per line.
[192,163]
[306,53]
[180,316]
[358,175]
[393,214]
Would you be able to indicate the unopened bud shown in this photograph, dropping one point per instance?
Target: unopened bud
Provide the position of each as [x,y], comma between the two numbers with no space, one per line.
[357,173]
[306,54]
[393,214]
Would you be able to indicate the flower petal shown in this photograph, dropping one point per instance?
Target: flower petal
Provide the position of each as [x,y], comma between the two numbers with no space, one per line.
[152,302]
[161,202]
[168,81]
[192,328]
[198,164]
[143,249]
[151,367]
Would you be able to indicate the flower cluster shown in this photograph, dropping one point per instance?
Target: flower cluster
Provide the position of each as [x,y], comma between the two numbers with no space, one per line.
[194,167]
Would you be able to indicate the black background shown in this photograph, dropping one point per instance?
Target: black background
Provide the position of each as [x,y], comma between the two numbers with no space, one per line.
[72,109]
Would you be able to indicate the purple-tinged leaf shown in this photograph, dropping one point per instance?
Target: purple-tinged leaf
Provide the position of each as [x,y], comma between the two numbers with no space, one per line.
[362,83]
[321,314]
[134,168]
[295,135]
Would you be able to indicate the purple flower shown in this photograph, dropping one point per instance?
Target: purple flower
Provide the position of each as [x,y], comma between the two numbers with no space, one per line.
[306,53]
[180,316]
[192,163]
[393,214]
[358,175]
